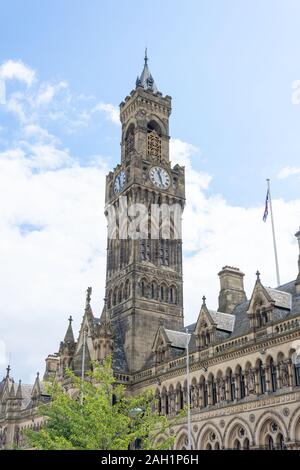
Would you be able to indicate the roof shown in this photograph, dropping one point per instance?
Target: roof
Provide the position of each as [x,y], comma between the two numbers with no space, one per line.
[224,321]
[282,299]
[177,338]
[146,80]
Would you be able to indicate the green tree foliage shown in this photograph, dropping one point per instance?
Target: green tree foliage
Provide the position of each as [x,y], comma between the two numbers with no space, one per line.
[92,421]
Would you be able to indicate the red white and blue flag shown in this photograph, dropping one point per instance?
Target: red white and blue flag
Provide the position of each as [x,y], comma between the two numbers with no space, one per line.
[266,206]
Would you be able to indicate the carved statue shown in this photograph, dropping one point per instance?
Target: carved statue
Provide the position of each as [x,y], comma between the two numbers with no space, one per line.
[221,388]
[284,374]
[251,382]
[194,397]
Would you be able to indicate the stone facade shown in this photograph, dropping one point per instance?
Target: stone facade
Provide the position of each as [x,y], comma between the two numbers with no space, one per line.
[244,358]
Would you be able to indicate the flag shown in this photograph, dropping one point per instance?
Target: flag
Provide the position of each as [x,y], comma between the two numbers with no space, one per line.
[266,206]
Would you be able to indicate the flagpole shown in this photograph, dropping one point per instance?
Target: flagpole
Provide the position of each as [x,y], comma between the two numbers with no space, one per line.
[188,392]
[273,233]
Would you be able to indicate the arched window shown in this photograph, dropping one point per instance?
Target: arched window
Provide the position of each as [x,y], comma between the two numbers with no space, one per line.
[270,442]
[214,391]
[205,393]
[162,293]
[115,297]
[242,385]
[246,444]
[143,288]
[167,404]
[153,291]
[297,374]
[129,141]
[262,378]
[154,140]
[280,442]
[237,445]
[273,375]
[232,386]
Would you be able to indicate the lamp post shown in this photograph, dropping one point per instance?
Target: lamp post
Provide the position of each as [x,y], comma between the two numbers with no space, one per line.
[188,391]
[83,364]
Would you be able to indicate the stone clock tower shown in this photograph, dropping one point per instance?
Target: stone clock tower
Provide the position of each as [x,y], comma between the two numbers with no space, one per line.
[144,272]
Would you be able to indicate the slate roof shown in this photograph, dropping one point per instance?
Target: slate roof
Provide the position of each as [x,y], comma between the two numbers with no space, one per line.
[224,321]
[282,299]
[146,80]
[177,338]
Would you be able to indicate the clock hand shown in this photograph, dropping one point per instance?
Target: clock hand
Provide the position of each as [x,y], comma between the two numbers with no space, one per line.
[160,177]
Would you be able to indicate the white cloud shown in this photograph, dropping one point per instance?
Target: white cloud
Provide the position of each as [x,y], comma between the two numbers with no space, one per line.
[288,171]
[111,111]
[53,230]
[48,91]
[12,69]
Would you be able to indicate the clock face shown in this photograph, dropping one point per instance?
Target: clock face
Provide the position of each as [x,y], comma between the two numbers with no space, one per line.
[160,177]
[119,182]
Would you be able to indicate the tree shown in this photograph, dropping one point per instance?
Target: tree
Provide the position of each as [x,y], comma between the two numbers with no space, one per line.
[102,416]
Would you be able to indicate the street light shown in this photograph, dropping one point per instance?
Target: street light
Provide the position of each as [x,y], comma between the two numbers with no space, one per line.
[189,446]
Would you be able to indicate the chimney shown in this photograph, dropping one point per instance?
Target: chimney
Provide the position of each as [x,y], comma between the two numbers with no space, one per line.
[232,290]
[297,283]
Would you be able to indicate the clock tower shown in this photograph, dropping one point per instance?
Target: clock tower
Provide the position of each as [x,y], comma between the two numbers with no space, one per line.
[145,198]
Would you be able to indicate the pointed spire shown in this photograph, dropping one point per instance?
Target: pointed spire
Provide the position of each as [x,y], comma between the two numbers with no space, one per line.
[88,298]
[12,391]
[69,336]
[36,390]
[146,80]
[19,390]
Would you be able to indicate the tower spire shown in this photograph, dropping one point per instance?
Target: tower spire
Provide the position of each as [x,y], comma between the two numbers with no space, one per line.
[146,80]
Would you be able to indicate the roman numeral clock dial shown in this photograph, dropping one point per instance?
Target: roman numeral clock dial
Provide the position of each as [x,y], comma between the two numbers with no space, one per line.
[160,177]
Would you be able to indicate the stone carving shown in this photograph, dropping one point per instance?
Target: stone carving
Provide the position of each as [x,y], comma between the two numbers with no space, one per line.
[251,382]
[194,397]
[221,388]
[284,374]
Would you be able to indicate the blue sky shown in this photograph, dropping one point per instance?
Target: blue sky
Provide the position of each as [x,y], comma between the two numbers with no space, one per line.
[228,65]
[67,64]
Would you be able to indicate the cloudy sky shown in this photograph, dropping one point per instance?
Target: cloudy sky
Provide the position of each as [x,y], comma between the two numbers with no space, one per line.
[233,70]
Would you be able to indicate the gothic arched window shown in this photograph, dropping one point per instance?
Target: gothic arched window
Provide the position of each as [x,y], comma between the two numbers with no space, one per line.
[242,385]
[214,391]
[129,141]
[154,140]
[162,293]
[262,378]
[232,386]
[297,374]
[273,375]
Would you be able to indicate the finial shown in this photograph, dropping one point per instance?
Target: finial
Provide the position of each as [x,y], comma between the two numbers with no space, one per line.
[204,300]
[37,375]
[146,57]
[7,371]
[70,319]
[88,297]
[257,275]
